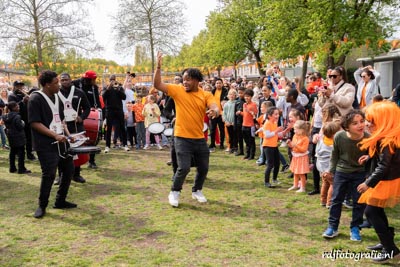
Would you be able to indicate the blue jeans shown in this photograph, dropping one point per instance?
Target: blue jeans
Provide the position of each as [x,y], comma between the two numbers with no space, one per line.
[185,149]
[140,134]
[343,183]
[3,136]
[49,161]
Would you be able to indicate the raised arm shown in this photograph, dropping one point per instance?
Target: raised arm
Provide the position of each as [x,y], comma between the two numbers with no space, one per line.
[158,84]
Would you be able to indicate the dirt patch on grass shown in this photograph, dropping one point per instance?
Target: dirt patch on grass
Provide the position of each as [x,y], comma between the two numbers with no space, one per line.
[151,240]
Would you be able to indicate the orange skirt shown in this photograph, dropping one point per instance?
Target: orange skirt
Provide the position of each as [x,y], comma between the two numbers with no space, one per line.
[300,165]
[385,194]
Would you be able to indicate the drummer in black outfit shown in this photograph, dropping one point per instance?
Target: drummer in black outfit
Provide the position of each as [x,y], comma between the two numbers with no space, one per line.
[88,85]
[45,114]
[75,114]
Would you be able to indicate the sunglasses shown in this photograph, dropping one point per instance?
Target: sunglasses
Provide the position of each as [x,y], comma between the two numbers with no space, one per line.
[332,76]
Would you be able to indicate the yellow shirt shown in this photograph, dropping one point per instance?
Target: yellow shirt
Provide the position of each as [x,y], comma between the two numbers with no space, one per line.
[190,110]
[217,97]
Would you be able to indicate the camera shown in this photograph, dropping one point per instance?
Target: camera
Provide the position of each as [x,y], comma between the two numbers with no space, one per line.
[133,75]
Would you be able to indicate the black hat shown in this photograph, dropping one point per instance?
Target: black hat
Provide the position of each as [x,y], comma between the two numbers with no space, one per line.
[18,82]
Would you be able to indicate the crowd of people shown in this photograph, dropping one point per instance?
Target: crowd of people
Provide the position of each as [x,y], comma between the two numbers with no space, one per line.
[343,135]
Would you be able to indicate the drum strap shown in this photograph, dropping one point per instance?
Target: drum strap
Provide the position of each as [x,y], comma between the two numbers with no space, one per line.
[69,112]
[56,124]
[94,98]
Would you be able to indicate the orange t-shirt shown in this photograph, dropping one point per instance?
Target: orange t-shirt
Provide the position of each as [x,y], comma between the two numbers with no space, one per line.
[271,141]
[190,109]
[300,143]
[260,121]
[248,118]
[217,97]
[137,108]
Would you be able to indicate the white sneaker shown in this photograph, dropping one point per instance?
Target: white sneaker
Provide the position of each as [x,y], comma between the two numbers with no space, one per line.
[160,147]
[107,149]
[198,195]
[126,148]
[301,190]
[293,188]
[146,147]
[173,198]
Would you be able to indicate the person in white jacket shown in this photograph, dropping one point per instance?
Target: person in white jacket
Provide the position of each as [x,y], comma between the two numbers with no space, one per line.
[368,81]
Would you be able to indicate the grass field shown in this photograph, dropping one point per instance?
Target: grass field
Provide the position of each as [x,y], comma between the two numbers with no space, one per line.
[124,219]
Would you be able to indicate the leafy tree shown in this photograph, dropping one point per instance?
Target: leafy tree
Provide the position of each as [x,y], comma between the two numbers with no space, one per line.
[329,28]
[157,24]
[234,32]
[33,22]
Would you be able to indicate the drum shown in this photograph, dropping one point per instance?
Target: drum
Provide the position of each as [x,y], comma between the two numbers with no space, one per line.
[205,127]
[168,132]
[92,126]
[81,154]
[156,128]
[79,139]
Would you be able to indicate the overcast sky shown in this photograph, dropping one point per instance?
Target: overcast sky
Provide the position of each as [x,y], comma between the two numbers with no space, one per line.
[196,13]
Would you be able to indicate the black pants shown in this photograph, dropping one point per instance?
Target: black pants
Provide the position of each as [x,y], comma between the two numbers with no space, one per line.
[187,149]
[49,161]
[250,141]
[272,161]
[378,219]
[213,127]
[316,175]
[239,137]
[28,135]
[232,138]
[115,118]
[20,151]
[131,135]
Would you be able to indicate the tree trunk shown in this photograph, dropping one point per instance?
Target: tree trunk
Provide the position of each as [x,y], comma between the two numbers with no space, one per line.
[151,48]
[304,71]
[259,62]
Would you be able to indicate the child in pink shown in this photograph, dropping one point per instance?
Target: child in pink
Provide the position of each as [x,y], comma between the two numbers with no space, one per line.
[299,147]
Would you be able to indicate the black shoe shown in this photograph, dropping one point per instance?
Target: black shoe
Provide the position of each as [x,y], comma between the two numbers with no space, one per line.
[268,185]
[375,247]
[221,147]
[64,205]
[169,163]
[314,192]
[285,168]
[92,165]
[239,153]
[39,213]
[24,171]
[31,157]
[365,224]
[246,158]
[13,170]
[57,180]
[79,179]
[386,256]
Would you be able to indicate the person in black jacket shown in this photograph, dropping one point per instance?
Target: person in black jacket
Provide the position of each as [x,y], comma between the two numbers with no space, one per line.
[113,95]
[16,137]
[88,85]
[76,110]
[381,189]
[220,94]
[19,96]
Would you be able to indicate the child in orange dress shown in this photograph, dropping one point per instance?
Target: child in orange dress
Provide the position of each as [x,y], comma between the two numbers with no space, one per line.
[300,163]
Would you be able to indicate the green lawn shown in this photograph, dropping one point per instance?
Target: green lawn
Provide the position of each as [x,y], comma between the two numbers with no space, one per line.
[124,219]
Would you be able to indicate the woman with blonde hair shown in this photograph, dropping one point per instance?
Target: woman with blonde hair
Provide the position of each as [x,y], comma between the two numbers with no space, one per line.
[382,188]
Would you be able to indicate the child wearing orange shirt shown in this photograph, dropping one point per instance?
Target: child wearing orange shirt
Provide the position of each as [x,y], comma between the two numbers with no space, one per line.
[300,164]
[249,114]
[138,120]
[270,145]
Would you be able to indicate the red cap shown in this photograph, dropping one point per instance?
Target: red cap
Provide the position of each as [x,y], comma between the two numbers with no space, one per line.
[90,74]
